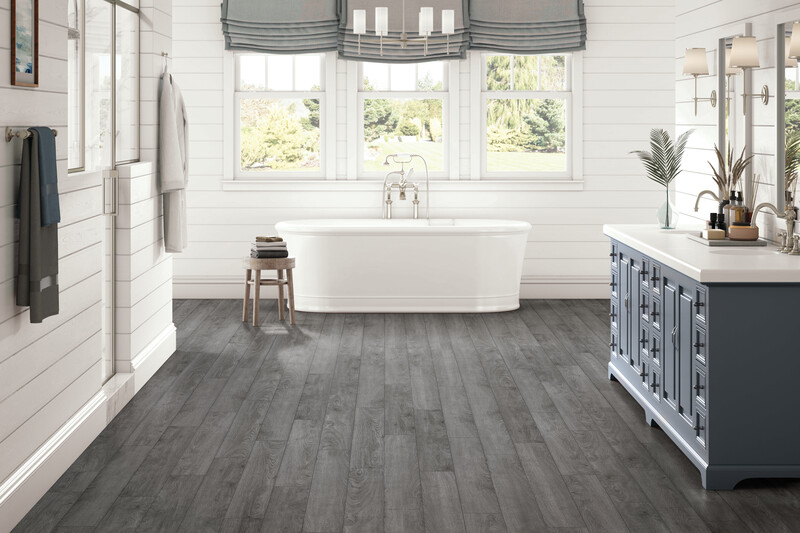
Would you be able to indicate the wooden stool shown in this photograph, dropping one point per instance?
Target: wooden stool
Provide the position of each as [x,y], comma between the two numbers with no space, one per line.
[252,264]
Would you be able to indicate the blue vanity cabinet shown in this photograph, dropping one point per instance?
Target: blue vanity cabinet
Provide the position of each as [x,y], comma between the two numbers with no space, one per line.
[713,365]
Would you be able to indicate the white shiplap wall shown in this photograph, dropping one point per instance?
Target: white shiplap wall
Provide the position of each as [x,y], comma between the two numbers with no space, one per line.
[702,26]
[628,85]
[52,399]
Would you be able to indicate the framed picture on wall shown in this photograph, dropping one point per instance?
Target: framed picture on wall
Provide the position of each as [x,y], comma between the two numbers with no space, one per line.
[25,43]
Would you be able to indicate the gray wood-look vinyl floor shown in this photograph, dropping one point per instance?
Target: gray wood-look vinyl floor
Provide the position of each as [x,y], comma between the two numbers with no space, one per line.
[396,422]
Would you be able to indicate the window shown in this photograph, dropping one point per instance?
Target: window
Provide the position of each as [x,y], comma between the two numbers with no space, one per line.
[792,99]
[103,77]
[526,108]
[280,119]
[402,109]
[75,151]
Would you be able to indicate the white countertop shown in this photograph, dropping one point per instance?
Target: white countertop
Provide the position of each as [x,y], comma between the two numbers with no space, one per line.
[706,264]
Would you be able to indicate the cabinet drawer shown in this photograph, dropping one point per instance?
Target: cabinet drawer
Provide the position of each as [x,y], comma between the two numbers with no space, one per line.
[614,285]
[655,313]
[644,306]
[699,345]
[655,349]
[655,384]
[700,428]
[614,255]
[645,273]
[614,343]
[699,388]
[655,278]
[613,313]
[701,303]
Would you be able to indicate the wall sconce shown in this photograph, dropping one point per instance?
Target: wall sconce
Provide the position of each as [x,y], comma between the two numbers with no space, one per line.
[744,55]
[791,62]
[696,64]
[793,47]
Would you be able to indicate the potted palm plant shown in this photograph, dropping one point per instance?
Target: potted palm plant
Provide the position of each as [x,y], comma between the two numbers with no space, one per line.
[663,164]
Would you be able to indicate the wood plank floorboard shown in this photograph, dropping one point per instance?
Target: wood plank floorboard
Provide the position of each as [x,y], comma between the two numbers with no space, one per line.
[398,423]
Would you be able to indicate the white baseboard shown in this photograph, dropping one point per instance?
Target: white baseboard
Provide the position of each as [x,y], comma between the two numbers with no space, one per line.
[558,287]
[28,483]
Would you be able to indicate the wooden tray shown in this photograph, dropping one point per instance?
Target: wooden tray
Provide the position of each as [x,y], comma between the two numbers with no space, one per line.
[725,242]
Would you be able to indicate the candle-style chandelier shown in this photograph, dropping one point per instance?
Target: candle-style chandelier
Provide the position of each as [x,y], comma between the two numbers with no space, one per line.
[426,32]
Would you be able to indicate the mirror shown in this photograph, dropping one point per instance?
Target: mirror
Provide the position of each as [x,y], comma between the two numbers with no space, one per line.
[788,105]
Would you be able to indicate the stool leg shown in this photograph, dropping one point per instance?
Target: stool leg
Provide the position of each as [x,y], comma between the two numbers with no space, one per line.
[291,294]
[246,295]
[256,296]
[281,310]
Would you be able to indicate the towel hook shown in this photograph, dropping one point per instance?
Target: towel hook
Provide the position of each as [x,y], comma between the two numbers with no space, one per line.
[22,134]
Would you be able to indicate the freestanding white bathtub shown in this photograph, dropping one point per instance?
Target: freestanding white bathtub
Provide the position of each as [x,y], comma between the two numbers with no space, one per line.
[437,265]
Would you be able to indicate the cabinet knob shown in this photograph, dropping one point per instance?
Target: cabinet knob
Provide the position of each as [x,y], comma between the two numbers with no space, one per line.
[643,306]
[641,373]
[698,427]
[698,305]
[699,387]
[612,344]
[612,284]
[612,254]
[654,384]
[654,278]
[612,315]
[645,273]
[653,313]
[699,345]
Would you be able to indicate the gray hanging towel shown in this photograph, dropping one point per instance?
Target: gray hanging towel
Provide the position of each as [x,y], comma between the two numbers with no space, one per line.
[48,176]
[37,266]
[173,157]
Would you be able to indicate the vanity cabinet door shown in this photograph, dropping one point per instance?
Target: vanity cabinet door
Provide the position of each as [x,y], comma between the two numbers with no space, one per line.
[669,358]
[686,352]
[634,313]
[624,305]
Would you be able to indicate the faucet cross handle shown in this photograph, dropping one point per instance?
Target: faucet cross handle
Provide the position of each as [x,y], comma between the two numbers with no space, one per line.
[784,243]
[796,248]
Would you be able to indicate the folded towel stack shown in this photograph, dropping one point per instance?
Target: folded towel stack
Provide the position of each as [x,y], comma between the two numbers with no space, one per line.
[269,248]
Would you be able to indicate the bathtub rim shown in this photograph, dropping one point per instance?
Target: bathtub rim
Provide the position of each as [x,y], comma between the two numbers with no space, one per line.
[319,227]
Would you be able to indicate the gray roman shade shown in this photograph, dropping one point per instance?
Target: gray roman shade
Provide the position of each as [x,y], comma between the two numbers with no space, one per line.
[527,26]
[393,52]
[280,26]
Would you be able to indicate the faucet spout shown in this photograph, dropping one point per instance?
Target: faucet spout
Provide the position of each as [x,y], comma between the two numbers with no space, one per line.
[761,206]
[705,193]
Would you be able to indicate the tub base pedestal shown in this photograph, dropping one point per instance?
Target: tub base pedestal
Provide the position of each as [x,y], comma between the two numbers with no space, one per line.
[406,304]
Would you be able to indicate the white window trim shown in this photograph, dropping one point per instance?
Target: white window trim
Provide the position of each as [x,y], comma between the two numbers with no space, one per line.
[327,124]
[573,96]
[454,131]
[449,131]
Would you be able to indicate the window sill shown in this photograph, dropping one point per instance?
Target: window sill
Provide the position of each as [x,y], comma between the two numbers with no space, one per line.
[487,185]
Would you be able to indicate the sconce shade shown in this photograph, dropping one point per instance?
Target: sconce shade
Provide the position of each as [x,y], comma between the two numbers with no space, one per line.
[794,43]
[730,71]
[360,21]
[744,53]
[695,62]
[791,62]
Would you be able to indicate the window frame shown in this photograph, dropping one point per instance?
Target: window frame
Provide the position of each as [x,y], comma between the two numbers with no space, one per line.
[444,95]
[326,128]
[85,111]
[573,120]
[81,97]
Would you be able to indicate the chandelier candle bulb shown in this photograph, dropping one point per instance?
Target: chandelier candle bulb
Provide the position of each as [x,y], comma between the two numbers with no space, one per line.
[360,21]
[448,21]
[382,21]
[425,21]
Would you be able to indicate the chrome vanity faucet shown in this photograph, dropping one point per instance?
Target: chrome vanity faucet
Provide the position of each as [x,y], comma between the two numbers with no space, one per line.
[788,216]
[402,184]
